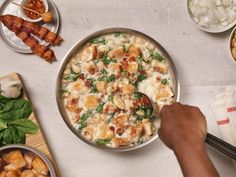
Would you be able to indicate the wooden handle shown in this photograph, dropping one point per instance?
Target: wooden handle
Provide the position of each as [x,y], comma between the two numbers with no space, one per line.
[25,8]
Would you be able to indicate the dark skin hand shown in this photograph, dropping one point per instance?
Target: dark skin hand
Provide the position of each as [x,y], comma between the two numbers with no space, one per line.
[183,129]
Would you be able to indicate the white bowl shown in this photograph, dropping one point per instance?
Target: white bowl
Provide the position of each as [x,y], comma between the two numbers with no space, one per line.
[209,29]
[45,2]
[230,39]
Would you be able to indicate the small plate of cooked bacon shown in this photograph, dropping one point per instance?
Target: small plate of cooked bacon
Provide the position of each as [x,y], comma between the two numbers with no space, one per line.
[24,36]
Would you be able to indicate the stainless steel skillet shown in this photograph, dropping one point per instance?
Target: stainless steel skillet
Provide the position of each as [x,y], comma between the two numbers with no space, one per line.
[77,47]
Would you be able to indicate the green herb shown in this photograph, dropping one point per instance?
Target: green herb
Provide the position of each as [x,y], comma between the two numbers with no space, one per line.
[140,60]
[102,141]
[140,78]
[103,78]
[106,60]
[14,122]
[12,136]
[93,85]
[110,116]
[103,71]
[73,76]
[100,107]
[144,112]
[98,41]
[165,82]
[137,96]
[25,126]
[110,98]
[63,90]
[117,34]
[111,78]
[157,56]
[82,122]
[15,109]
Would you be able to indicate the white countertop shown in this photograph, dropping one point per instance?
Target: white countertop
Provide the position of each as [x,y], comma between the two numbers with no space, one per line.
[202,61]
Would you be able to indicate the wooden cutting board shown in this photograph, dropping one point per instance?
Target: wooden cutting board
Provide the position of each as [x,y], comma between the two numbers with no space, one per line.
[38,140]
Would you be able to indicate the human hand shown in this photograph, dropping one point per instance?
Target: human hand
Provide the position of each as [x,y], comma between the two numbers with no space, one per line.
[182,125]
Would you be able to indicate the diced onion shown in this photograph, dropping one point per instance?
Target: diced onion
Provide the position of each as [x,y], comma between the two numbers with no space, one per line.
[213,13]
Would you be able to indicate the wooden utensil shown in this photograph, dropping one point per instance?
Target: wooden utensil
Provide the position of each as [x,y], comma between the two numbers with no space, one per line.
[47,16]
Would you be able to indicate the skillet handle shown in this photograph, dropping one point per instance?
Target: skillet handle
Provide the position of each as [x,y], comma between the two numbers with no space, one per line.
[221,145]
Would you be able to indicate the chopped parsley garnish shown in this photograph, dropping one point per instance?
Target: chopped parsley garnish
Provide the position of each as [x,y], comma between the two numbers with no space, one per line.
[99,108]
[137,96]
[102,141]
[98,41]
[165,82]
[73,76]
[157,56]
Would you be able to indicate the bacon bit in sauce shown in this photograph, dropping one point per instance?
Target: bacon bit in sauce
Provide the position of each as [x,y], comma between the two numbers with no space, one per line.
[136,103]
[145,101]
[132,58]
[74,101]
[112,128]
[99,55]
[119,131]
[142,72]
[158,78]
[88,83]
[81,76]
[36,5]
[118,76]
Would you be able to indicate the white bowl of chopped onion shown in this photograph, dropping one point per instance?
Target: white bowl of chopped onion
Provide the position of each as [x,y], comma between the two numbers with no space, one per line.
[212,16]
[232,45]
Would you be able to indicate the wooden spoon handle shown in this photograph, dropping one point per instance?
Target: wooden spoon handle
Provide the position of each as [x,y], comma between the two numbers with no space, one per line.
[25,8]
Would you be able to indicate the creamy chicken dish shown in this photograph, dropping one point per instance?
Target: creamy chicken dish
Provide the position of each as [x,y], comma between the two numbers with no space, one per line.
[101,85]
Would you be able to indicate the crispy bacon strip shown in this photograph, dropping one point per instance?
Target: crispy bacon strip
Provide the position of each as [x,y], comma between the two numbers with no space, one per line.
[23,30]
[15,24]
[38,49]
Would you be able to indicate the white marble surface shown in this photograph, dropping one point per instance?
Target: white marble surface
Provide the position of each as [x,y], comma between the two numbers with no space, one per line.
[202,61]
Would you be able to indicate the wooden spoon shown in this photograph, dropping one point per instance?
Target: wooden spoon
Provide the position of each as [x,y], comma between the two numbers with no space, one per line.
[47,16]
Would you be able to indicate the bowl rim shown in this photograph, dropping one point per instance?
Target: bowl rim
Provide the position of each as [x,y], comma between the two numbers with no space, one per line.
[81,43]
[229,44]
[32,150]
[208,29]
[45,2]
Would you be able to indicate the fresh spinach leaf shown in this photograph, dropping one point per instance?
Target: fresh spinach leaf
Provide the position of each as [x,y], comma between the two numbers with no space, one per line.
[26,126]
[15,109]
[3,126]
[12,136]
